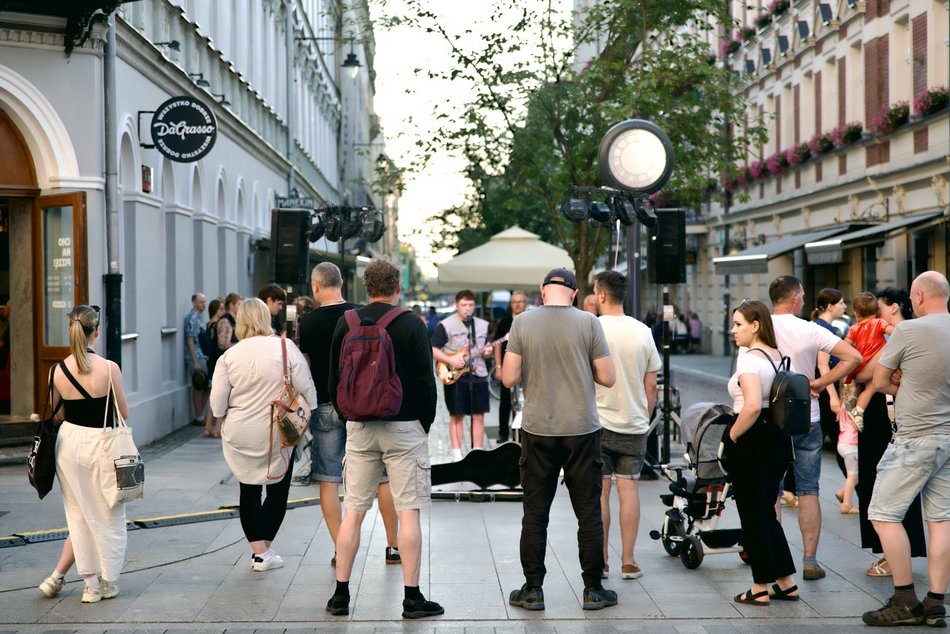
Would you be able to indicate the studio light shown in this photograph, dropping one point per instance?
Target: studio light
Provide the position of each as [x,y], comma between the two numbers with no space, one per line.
[334,227]
[599,211]
[352,222]
[574,209]
[626,211]
[373,229]
[317,229]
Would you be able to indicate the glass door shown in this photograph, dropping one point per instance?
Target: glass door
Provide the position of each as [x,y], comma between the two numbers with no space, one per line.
[60,278]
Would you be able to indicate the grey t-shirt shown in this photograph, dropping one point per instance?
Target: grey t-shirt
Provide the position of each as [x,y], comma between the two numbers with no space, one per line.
[557,345]
[921,350]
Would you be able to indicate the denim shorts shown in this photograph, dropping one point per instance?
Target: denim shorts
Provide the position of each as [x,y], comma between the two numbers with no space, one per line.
[807,463]
[910,466]
[329,442]
[622,454]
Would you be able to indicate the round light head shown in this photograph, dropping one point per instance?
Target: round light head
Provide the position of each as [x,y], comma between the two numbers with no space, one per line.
[635,156]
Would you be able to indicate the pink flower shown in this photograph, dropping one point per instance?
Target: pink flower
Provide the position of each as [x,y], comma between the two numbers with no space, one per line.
[755,169]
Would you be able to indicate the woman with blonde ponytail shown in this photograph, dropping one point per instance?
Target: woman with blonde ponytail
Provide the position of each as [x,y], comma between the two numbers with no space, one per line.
[91,388]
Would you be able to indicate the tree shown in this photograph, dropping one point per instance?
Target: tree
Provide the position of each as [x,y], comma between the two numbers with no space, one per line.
[532,127]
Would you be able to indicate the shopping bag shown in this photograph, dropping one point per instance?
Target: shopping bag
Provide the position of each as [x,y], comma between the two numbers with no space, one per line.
[41,465]
[121,470]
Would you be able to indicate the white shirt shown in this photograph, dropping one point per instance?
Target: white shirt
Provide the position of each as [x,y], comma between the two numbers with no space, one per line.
[623,407]
[751,362]
[247,378]
[800,341]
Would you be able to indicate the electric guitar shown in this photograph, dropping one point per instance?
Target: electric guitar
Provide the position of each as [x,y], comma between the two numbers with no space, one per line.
[449,374]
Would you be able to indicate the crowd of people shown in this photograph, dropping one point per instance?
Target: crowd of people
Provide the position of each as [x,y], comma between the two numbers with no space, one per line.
[879,388]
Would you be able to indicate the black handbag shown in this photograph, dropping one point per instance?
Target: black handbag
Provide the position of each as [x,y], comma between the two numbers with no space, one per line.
[41,465]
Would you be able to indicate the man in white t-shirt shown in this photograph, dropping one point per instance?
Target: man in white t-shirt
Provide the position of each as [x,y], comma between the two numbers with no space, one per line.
[801,341]
[625,411]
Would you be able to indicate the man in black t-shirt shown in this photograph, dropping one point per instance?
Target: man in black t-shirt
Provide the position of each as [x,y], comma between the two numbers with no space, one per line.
[328,428]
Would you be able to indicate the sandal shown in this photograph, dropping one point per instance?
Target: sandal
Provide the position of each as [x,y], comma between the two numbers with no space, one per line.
[784,595]
[749,598]
[207,433]
[849,509]
[879,569]
[840,496]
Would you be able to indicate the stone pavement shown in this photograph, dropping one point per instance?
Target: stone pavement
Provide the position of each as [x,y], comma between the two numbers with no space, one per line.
[196,576]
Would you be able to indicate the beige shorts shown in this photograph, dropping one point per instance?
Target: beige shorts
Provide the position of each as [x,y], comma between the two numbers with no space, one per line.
[402,447]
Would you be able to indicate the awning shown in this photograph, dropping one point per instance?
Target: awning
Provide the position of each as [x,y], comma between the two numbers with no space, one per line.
[756,259]
[829,251]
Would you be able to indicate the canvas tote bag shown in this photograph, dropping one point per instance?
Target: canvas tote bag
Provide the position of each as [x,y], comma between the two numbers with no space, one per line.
[121,470]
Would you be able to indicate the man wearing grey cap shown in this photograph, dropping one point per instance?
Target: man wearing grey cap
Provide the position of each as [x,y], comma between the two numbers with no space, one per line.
[557,353]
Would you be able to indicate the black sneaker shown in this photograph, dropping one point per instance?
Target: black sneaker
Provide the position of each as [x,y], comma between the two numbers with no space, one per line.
[302,480]
[339,605]
[529,598]
[420,608]
[392,555]
[935,614]
[599,598]
[894,613]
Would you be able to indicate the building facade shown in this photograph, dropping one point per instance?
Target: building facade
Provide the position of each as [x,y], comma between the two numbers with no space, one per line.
[288,117]
[851,189]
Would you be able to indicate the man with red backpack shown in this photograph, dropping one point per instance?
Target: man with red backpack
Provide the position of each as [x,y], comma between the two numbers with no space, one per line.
[381,382]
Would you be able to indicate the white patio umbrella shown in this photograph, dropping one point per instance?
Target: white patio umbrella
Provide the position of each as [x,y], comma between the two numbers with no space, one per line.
[514,259]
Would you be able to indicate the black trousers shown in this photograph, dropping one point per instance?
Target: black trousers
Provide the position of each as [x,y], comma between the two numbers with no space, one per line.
[504,413]
[756,464]
[262,519]
[542,458]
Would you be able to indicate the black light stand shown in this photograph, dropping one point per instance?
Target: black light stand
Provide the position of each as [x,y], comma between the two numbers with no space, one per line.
[667,388]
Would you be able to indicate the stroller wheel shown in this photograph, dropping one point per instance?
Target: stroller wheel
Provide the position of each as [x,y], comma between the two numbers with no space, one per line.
[674,528]
[691,552]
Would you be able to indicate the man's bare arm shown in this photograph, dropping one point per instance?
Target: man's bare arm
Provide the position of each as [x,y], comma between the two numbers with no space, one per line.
[882,380]
[511,371]
[603,368]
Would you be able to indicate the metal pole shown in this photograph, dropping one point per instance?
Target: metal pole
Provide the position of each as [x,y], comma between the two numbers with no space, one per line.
[342,263]
[291,148]
[112,279]
[667,405]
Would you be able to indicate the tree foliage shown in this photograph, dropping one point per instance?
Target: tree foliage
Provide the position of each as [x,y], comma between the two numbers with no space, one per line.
[532,126]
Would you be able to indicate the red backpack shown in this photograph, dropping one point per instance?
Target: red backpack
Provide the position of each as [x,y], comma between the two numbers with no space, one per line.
[369,387]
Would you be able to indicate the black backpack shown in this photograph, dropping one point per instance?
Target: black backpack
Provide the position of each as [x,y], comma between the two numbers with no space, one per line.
[789,399]
[207,341]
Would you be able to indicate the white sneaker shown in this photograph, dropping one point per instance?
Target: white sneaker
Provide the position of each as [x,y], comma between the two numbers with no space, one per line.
[107,589]
[51,586]
[91,595]
[275,561]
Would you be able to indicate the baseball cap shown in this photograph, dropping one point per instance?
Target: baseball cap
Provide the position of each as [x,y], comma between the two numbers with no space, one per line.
[562,277]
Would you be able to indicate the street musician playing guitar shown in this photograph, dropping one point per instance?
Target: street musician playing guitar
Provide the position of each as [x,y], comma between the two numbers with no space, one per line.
[461,341]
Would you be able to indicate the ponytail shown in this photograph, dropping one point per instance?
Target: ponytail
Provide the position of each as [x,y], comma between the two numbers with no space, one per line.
[83,321]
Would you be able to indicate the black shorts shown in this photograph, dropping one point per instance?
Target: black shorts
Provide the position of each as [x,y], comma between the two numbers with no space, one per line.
[467,396]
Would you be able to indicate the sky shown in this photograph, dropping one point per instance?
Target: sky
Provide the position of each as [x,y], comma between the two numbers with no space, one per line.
[398,52]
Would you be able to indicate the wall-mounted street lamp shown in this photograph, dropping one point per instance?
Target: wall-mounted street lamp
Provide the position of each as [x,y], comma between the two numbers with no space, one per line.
[351,63]
[173,45]
[200,80]
[222,99]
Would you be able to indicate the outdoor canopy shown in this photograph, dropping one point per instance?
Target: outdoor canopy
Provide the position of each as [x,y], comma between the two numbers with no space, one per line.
[514,259]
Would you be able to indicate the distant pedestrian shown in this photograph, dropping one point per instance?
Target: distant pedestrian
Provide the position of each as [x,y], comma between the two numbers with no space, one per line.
[625,412]
[461,341]
[650,318]
[519,303]
[829,307]
[801,341]
[92,390]
[558,353]
[398,444]
[327,427]
[918,461]
[757,455]
[215,313]
[432,320]
[227,324]
[695,332]
[247,379]
[274,297]
[590,304]
[196,368]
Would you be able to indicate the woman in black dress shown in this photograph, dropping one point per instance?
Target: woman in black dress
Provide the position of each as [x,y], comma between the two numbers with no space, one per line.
[894,307]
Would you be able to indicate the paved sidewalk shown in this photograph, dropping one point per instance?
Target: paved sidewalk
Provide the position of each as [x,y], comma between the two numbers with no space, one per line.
[196,577]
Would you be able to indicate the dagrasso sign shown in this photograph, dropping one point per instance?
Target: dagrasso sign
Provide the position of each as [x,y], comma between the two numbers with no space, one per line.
[184,129]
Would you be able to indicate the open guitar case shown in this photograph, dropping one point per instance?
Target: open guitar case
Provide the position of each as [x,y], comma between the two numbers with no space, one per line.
[498,466]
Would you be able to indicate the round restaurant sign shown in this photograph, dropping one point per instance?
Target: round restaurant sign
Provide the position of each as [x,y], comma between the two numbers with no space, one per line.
[184,129]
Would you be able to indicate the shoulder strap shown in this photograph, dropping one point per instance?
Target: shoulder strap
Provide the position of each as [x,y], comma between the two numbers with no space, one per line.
[72,379]
[352,319]
[49,398]
[772,363]
[283,355]
[385,320]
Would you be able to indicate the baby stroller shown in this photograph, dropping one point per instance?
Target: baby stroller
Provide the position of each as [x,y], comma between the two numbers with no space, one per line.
[699,490]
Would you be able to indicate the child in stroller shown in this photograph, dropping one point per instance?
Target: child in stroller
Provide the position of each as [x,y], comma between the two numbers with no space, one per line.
[699,490]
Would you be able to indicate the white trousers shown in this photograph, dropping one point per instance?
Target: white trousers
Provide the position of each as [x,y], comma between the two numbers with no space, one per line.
[98,532]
